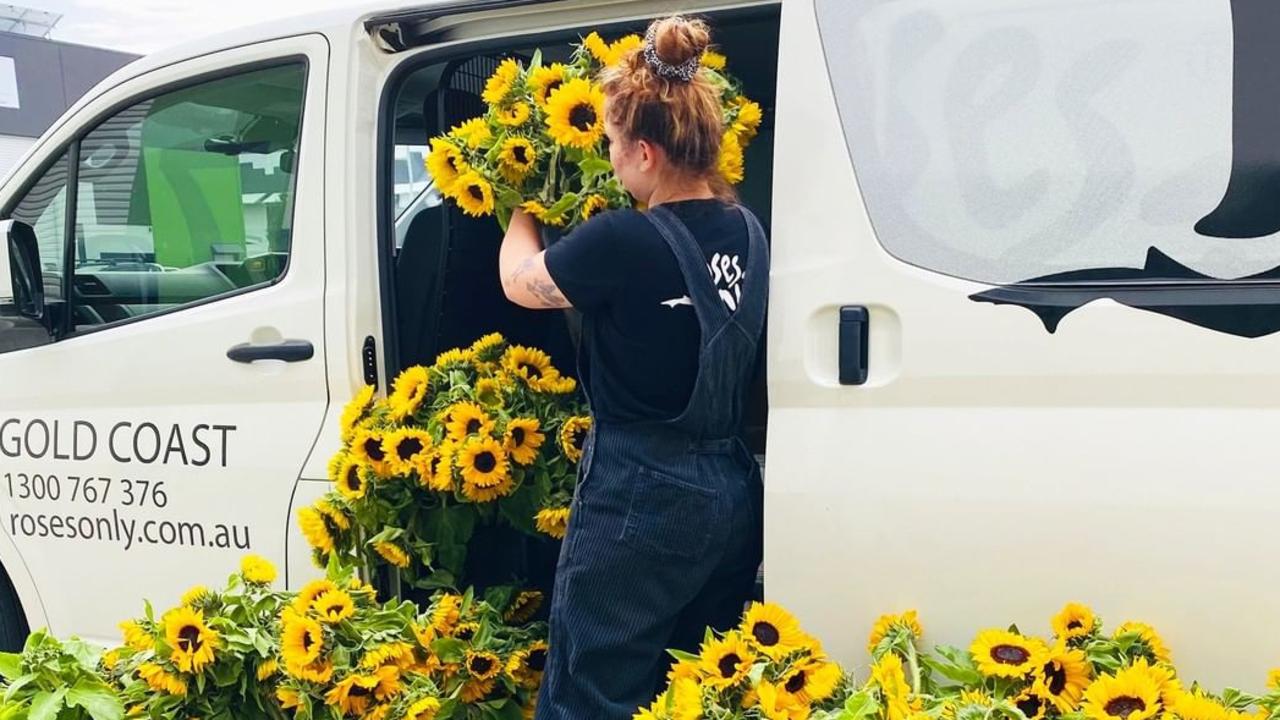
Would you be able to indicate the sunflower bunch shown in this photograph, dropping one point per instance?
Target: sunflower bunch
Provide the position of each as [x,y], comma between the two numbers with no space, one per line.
[487,434]
[212,654]
[767,667]
[539,145]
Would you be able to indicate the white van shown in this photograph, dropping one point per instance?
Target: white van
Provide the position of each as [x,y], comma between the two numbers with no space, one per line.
[1022,341]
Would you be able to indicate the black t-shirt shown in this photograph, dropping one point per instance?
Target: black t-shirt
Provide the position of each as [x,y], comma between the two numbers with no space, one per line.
[620,273]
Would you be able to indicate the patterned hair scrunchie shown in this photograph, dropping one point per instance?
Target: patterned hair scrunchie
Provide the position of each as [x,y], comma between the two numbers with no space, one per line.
[683,72]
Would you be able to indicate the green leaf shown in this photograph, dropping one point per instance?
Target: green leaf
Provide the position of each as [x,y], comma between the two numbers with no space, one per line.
[858,706]
[562,205]
[535,62]
[449,650]
[97,699]
[17,685]
[82,651]
[45,705]
[10,665]
[682,655]
[593,166]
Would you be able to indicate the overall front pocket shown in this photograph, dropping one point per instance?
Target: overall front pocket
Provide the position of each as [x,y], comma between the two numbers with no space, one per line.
[669,516]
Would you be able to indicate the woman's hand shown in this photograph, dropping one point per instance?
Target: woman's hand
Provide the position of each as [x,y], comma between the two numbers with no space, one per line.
[523,267]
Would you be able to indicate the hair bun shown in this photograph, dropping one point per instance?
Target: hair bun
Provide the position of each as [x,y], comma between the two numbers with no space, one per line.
[677,40]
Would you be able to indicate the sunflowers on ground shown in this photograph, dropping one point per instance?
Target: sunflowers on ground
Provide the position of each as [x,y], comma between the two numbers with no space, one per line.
[539,145]
[488,434]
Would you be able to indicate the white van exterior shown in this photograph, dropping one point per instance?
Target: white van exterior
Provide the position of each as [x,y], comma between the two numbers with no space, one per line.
[1048,409]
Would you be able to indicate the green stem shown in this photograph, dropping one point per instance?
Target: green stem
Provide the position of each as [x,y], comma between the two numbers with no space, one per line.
[914,663]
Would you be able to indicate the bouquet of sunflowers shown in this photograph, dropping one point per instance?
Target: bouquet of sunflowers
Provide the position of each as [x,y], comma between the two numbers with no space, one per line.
[539,145]
[490,433]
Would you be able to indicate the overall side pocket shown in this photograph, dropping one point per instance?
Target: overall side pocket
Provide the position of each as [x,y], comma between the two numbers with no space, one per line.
[669,516]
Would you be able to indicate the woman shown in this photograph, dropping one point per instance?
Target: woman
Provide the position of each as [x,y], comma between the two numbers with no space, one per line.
[665,534]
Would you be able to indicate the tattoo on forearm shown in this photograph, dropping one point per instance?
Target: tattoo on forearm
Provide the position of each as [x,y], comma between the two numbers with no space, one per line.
[545,291]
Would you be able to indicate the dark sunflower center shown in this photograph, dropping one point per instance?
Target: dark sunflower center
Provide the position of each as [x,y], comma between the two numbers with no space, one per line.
[473,426]
[580,437]
[373,448]
[331,527]
[307,642]
[475,192]
[189,638]
[538,660]
[795,683]
[517,434]
[521,154]
[531,370]
[408,448]
[551,86]
[435,464]
[765,634]
[1124,706]
[353,478]
[1057,677]
[1075,625]
[582,117]
[486,462]
[465,633]
[359,691]
[1010,654]
[728,665]
[453,163]
[1030,706]
[481,665]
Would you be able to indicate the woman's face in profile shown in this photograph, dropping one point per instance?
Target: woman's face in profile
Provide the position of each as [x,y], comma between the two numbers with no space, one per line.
[628,158]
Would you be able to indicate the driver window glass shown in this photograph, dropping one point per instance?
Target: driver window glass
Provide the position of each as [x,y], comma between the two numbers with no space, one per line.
[187,196]
[44,208]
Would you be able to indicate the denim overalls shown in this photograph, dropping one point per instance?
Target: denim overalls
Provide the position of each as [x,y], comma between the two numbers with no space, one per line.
[666,530]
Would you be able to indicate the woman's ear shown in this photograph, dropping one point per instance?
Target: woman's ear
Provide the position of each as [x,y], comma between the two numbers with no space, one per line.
[648,155]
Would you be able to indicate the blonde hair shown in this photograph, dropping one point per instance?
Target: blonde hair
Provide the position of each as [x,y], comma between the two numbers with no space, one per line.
[683,117]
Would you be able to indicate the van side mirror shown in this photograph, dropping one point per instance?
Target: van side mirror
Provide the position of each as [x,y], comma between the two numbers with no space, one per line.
[25,279]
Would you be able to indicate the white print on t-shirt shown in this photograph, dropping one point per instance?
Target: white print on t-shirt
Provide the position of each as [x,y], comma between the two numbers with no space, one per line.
[726,273]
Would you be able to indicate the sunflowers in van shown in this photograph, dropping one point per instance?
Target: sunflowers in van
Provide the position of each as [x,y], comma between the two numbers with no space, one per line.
[487,434]
[539,145]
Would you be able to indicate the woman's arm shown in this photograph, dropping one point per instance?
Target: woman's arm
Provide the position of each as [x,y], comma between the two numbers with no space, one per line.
[523,267]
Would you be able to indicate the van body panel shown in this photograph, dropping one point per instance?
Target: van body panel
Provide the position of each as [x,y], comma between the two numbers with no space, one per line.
[989,471]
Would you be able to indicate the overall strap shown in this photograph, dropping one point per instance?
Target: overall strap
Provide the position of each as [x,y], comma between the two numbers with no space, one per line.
[755,283]
[710,309]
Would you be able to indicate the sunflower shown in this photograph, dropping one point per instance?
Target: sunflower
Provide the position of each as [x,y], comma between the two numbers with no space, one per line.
[288,698]
[525,605]
[408,392]
[714,60]
[1000,653]
[318,672]
[192,641]
[1155,646]
[518,158]
[446,614]
[473,133]
[575,114]
[423,709]
[467,419]
[399,654]
[315,529]
[110,659]
[406,448]
[523,439]
[392,553]
[350,479]
[334,516]
[309,592]
[483,665]
[1074,621]
[266,669]
[446,164]
[473,691]
[502,82]
[474,194]
[436,471]
[136,637]
[908,621]
[774,631]
[161,680]
[257,570]
[526,666]
[489,392]
[1273,679]
[389,684]
[543,213]
[573,436]
[301,639]
[333,606]
[813,681]
[514,115]
[1131,694]
[544,80]
[611,53]
[465,631]
[747,122]
[1032,703]
[487,346]
[352,695]
[356,411]
[366,447]
[774,702]
[1063,678]
[553,522]
[453,359]
[887,673]
[731,159]
[725,661]
[592,205]
[1170,686]
[528,364]
[560,386]
[195,595]
[379,712]
[486,473]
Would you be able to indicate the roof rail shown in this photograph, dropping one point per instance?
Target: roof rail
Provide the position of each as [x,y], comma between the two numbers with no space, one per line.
[404,29]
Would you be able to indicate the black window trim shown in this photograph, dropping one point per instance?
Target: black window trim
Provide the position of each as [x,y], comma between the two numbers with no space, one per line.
[72,150]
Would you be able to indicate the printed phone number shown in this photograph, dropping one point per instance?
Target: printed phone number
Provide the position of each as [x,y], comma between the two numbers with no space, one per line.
[92,490]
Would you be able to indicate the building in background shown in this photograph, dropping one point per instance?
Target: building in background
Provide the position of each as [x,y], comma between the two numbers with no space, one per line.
[40,78]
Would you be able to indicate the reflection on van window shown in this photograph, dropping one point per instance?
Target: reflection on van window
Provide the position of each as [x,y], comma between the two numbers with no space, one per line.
[1005,140]
[44,208]
[187,196]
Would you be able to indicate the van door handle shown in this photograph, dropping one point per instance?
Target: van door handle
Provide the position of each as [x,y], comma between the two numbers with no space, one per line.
[855,322]
[286,350]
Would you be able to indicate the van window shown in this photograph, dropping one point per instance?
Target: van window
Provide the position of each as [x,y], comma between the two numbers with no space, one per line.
[1002,142]
[44,208]
[187,196]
